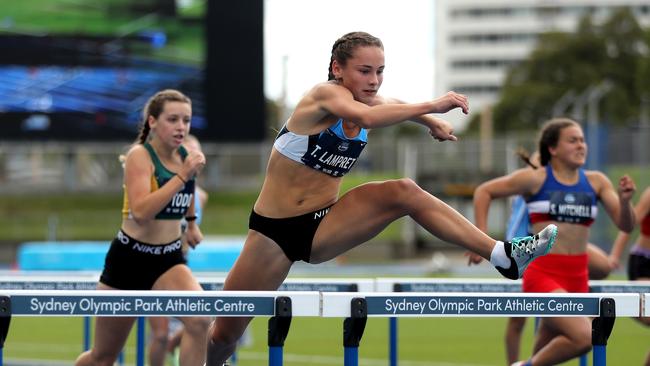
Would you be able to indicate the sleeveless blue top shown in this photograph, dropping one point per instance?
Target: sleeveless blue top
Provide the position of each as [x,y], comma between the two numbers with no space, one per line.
[555,201]
[330,152]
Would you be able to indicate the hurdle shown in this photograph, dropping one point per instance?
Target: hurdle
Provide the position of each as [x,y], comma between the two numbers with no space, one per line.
[424,304]
[481,286]
[354,306]
[160,303]
[88,281]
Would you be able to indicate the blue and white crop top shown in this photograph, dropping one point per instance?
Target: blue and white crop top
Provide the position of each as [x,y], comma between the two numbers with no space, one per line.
[330,152]
[555,201]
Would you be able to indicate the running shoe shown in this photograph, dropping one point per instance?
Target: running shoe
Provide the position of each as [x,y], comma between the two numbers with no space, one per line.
[523,250]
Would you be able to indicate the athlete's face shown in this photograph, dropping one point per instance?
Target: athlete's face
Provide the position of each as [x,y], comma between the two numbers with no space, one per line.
[571,147]
[173,124]
[363,73]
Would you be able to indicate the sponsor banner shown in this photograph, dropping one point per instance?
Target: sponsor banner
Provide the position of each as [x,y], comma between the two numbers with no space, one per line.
[72,305]
[488,305]
[48,285]
[458,287]
[622,288]
[295,286]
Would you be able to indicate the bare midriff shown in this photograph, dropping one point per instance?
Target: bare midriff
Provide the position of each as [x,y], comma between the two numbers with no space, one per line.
[292,189]
[571,238]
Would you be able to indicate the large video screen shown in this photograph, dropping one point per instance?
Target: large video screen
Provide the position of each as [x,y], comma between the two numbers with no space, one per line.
[83,70]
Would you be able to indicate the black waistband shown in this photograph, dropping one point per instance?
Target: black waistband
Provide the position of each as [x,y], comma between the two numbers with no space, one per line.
[146,248]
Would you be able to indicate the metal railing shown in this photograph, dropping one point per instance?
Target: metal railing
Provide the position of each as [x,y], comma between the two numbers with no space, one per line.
[64,166]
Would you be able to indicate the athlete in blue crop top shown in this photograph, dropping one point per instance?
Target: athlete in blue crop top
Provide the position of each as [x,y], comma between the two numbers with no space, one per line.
[146,254]
[330,151]
[519,225]
[555,201]
[563,194]
[299,215]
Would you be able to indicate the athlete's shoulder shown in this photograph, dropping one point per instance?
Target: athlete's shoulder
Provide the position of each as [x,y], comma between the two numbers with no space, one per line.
[530,180]
[328,89]
[137,150]
[599,182]
[138,155]
[597,177]
[529,175]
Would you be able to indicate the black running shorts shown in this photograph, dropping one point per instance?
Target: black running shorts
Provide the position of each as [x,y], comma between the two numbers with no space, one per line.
[133,265]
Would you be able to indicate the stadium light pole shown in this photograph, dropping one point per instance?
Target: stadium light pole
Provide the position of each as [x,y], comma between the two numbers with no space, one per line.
[562,104]
[594,96]
[579,103]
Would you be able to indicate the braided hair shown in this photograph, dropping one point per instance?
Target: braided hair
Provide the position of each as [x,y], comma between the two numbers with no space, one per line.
[345,46]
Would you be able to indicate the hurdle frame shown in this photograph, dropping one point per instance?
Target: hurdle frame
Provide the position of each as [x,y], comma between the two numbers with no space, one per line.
[618,288]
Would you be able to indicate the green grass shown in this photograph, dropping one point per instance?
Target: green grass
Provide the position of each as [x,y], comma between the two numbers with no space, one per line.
[84,216]
[318,341]
[641,175]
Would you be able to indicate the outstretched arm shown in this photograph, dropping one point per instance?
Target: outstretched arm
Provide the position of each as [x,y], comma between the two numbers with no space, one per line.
[618,202]
[617,249]
[340,102]
[439,129]
[640,211]
[520,182]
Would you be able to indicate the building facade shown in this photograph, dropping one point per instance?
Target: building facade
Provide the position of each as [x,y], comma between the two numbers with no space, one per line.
[478,40]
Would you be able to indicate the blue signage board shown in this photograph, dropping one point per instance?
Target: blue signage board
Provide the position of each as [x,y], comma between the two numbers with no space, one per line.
[487,305]
[73,305]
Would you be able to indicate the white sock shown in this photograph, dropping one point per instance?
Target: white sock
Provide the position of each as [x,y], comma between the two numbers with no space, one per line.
[498,257]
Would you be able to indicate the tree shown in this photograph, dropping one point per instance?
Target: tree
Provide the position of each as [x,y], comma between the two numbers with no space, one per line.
[615,51]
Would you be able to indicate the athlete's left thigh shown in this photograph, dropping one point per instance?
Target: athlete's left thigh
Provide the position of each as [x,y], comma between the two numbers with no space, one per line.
[358,216]
[179,277]
[576,329]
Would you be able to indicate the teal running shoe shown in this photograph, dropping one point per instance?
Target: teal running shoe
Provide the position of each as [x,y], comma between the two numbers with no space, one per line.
[523,250]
